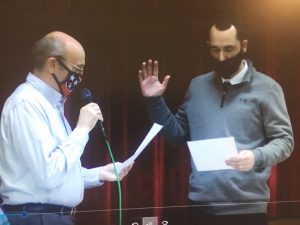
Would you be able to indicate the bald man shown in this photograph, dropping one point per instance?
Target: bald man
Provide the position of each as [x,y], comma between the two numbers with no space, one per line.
[42,180]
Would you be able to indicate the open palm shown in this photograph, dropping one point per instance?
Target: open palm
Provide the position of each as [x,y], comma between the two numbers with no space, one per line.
[149,82]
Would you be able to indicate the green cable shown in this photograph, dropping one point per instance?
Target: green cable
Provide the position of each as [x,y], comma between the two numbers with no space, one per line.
[118,181]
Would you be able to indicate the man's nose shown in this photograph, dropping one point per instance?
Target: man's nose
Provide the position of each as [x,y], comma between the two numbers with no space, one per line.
[221,56]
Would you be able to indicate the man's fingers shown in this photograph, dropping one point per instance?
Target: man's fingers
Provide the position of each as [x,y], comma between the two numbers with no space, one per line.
[166,81]
[149,68]
[144,70]
[241,165]
[155,68]
[140,75]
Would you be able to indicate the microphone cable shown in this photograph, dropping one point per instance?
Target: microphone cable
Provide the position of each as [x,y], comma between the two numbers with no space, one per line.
[87,97]
[118,179]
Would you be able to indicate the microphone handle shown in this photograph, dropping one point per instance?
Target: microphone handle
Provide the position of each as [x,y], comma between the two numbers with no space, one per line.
[101,129]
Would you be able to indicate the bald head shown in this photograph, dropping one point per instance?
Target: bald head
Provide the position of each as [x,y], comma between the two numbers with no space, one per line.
[54,44]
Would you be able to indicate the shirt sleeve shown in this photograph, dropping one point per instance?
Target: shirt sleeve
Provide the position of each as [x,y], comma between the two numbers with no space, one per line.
[278,130]
[91,177]
[175,128]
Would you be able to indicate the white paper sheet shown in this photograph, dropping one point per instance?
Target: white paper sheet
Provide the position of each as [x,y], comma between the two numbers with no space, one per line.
[151,134]
[211,154]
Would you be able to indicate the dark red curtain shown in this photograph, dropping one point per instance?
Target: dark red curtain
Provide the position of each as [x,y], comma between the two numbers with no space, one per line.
[117,37]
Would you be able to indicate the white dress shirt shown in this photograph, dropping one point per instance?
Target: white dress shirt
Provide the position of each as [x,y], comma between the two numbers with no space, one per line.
[39,154]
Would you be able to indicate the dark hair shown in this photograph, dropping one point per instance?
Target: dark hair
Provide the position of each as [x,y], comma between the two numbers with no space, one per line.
[45,48]
[224,23]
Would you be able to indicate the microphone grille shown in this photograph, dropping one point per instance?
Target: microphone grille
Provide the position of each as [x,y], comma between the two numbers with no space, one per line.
[86,95]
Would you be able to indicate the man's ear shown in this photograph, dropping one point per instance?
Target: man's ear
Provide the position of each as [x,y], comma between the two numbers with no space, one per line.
[50,64]
[245,45]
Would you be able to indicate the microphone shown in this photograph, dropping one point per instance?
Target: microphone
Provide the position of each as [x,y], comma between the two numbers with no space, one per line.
[86,96]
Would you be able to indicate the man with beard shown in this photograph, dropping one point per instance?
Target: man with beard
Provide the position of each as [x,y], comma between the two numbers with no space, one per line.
[232,100]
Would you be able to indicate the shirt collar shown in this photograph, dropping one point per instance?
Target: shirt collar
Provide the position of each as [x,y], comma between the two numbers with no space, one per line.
[53,96]
[239,77]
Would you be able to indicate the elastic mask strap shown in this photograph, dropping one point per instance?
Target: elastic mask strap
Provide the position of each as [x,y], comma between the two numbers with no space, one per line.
[58,84]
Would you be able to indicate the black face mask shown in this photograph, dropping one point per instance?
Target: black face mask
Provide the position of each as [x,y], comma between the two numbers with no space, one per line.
[70,83]
[227,67]
[67,86]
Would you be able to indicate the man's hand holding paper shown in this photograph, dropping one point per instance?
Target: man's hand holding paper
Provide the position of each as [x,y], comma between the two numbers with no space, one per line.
[243,161]
[220,154]
[151,134]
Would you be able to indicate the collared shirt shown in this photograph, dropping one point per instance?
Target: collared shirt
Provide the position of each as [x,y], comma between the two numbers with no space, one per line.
[255,114]
[238,78]
[39,153]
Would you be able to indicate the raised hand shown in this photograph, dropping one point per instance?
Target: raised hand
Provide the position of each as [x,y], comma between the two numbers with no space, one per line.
[149,82]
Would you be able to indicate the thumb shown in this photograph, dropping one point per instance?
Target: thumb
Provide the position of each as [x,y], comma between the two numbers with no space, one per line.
[166,81]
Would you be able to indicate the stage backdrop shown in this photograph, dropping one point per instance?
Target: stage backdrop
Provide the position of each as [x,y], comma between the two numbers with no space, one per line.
[117,38]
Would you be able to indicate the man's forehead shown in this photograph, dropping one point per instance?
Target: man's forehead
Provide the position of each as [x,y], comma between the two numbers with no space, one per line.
[75,53]
[225,38]
[228,33]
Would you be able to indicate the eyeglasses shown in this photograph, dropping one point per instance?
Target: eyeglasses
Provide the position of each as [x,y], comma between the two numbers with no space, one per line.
[70,71]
